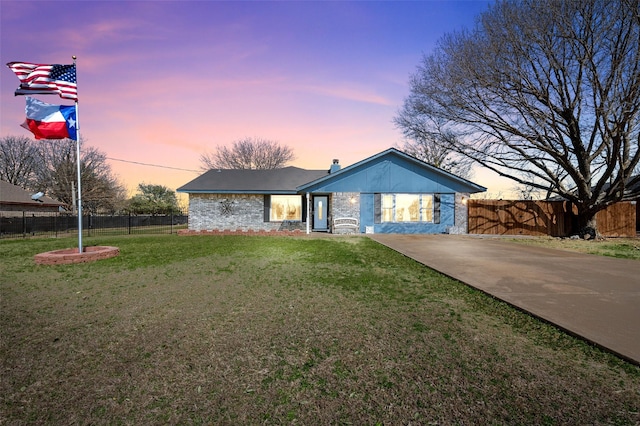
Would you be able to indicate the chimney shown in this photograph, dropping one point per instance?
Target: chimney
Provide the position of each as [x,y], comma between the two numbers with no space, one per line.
[335,166]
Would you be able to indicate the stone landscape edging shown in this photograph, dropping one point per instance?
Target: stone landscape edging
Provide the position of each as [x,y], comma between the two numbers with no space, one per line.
[71,255]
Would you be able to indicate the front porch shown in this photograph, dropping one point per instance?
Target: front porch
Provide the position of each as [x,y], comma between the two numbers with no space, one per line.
[337,212]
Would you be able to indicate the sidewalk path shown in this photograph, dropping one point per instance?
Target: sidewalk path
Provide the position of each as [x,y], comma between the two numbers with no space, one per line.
[595,297]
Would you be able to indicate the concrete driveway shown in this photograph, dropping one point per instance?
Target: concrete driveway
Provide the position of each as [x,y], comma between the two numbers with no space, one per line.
[594,297]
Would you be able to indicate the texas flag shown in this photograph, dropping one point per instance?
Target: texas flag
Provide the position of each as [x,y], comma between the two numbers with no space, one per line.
[47,121]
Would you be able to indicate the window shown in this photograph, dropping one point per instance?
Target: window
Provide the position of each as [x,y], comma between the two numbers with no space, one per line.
[426,209]
[285,207]
[387,208]
[409,207]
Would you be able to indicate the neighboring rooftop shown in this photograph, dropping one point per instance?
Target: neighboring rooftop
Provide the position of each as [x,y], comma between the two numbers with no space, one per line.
[12,197]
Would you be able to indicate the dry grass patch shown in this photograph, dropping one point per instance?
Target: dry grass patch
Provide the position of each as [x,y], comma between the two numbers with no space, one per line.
[268,330]
[624,248]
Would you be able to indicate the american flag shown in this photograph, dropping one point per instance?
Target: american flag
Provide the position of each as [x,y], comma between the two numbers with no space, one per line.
[46,79]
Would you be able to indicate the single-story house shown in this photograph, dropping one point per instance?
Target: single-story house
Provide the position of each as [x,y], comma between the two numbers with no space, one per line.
[390,192]
[19,208]
[15,199]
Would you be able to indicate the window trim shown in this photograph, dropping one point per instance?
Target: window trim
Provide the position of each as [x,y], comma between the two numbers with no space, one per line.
[267,208]
[380,207]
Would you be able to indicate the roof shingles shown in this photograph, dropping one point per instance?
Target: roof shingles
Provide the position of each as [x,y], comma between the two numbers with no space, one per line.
[11,194]
[284,180]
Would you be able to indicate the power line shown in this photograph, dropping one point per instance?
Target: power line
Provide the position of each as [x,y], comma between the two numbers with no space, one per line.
[132,162]
[152,165]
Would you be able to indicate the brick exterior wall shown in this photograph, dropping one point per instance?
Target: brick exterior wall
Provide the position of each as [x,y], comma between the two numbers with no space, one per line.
[235,212]
[461,214]
[70,256]
[245,212]
[345,204]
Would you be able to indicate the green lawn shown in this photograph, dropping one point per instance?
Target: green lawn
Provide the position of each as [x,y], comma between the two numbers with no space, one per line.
[282,330]
[623,248]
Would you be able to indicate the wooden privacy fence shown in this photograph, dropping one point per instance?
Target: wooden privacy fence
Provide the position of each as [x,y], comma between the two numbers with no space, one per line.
[619,220]
[554,218]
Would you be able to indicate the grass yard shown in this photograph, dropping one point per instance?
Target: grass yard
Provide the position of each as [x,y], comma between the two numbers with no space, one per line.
[233,330]
[623,248]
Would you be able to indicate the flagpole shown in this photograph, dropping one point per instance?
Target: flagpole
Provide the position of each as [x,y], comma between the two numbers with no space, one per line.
[78,167]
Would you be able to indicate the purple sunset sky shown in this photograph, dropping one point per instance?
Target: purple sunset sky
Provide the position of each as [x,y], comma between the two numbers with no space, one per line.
[161,82]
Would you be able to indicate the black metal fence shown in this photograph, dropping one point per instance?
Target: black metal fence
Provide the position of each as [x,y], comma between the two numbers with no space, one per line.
[29,224]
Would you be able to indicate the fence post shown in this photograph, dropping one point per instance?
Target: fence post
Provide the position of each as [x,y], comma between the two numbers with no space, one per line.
[129,227]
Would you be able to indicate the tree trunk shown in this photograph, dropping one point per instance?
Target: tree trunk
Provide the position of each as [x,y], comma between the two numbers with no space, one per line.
[586,225]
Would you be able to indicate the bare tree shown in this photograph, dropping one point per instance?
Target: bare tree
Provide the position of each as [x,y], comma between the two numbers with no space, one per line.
[248,153]
[432,148]
[544,92]
[19,161]
[101,191]
[50,166]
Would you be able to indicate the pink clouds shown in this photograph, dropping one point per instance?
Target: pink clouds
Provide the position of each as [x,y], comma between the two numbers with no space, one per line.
[346,92]
[162,82]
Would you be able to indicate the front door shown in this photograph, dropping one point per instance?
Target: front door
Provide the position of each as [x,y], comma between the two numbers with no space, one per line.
[320,210]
